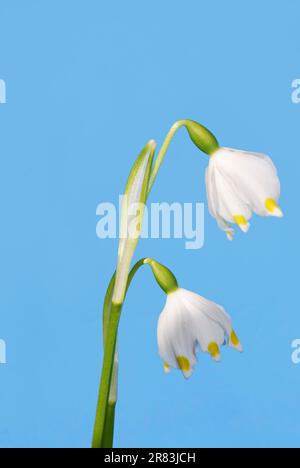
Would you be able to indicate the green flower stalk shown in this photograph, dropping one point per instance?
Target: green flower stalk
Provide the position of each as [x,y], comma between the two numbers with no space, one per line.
[194,319]
[199,135]
[140,182]
[135,198]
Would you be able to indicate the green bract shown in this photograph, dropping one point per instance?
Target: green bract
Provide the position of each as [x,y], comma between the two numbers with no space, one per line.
[135,198]
[164,277]
[202,137]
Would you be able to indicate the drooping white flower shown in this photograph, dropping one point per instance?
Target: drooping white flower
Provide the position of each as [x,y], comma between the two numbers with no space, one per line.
[189,323]
[239,183]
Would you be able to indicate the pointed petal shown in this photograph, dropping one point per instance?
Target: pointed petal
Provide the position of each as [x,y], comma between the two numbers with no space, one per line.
[175,334]
[213,311]
[185,366]
[212,198]
[273,208]
[234,342]
[255,177]
[214,351]
[242,222]
[230,202]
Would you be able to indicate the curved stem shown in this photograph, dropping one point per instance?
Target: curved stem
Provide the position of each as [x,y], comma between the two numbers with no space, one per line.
[110,289]
[161,155]
[104,422]
[107,370]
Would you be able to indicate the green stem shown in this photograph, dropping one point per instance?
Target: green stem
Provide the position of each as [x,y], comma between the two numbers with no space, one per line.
[108,435]
[105,414]
[199,135]
[110,289]
[161,155]
[107,305]
[107,370]
[104,424]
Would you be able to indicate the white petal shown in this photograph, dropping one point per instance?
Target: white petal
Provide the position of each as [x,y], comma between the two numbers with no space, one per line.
[175,336]
[277,212]
[255,177]
[212,197]
[208,331]
[231,204]
[212,310]
[165,348]
[211,190]
[183,337]
[230,234]
[216,314]
[238,347]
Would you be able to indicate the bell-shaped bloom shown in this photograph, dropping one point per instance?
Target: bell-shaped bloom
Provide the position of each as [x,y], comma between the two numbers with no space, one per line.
[240,183]
[190,323]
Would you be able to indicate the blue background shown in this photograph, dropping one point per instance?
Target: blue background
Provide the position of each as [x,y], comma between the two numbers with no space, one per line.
[88,83]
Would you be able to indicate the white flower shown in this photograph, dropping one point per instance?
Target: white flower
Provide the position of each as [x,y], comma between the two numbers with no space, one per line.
[239,183]
[190,322]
